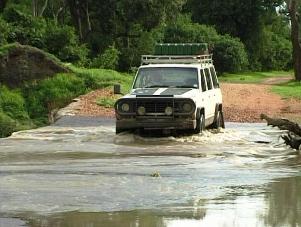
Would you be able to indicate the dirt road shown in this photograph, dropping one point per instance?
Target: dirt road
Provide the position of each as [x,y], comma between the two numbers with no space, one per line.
[245,103]
[241,103]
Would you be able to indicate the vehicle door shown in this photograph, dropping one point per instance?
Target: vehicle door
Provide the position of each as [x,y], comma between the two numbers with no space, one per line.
[204,93]
[217,91]
[210,102]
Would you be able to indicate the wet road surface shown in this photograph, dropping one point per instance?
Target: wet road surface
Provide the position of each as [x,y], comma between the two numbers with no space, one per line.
[76,174]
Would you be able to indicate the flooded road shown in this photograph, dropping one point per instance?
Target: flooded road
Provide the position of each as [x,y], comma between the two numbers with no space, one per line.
[76,174]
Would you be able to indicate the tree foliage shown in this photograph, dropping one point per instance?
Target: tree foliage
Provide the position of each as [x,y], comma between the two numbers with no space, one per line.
[243,19]
[107,60]
[60,40]
[230,55]
[84,31]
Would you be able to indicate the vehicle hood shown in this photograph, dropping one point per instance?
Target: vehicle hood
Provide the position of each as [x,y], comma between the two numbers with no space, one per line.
[163,92]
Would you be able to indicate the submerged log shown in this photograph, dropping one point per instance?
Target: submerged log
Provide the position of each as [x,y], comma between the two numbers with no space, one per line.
[293,138]
[283,124]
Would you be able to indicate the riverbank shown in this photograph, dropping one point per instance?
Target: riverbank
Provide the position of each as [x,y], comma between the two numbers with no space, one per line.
[241,103]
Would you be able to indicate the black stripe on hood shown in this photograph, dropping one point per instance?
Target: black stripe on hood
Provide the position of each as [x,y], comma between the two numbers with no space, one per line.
[167,92]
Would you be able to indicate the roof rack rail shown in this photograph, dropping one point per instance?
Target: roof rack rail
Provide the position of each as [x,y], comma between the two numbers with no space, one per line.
[176,59]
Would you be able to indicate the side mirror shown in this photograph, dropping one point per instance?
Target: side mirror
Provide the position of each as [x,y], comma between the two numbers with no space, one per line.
[117,89]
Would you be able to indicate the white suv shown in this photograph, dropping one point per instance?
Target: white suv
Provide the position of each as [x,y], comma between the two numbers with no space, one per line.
[172,92]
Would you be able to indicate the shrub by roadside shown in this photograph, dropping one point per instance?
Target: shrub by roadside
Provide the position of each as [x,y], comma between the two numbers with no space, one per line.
[7,125]
[13,113]
[29,106]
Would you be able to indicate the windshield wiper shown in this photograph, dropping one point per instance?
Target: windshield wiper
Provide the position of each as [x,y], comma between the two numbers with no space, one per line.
[155,86]
[186,86]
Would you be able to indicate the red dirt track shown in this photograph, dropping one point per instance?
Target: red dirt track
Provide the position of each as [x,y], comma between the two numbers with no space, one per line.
[241,103]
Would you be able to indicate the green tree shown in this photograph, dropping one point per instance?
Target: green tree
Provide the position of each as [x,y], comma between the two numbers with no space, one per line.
[293,9]
[128,23]
[183,30]
[108,60]
[243,19]
[229,55]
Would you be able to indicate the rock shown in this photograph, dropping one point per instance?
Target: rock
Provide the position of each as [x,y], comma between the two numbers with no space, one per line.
[20,64]
[155,174]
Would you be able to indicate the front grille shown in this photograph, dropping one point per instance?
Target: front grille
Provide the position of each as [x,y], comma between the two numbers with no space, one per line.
[155,106]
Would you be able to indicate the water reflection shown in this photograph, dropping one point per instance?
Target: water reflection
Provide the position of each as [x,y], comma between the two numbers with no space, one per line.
[275,204]
[284,202]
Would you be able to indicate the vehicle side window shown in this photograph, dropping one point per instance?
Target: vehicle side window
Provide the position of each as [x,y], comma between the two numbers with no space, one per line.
[208,79]
[203,82]
[214,78]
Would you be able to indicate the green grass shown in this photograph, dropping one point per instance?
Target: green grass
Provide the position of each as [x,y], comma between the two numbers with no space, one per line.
[102,78]
[28,106]
[251,77]
[291,89]
[106,102]
[4,50]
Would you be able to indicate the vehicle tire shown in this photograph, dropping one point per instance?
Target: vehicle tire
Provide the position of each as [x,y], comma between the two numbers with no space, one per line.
[219,120]
[200,124]
[119,130]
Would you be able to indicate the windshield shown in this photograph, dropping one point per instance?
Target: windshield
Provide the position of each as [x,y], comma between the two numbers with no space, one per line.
[167,77]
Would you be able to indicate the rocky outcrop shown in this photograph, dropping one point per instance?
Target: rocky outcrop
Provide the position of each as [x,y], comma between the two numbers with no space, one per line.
[20,64]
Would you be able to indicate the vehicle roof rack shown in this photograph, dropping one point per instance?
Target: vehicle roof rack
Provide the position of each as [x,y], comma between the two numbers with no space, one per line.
[177,59]
[181,49]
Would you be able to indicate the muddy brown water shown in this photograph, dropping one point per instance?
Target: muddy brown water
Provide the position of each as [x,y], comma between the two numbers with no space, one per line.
[76,174]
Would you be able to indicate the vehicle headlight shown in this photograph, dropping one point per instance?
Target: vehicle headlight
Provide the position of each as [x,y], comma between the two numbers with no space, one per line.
[187,107]
[168,110]
[125,107]
[141,110]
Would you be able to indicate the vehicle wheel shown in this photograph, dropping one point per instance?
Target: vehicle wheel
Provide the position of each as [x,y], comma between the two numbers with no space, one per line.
[200,124]
[119,130]
[219,122]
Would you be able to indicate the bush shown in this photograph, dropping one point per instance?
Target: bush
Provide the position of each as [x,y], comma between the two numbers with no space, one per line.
[13,113]
[101,78]
[143,42]
[62,41]
[4,31]
[276,52]
[13,104]
[52,93]
[108,60]
[229,55]
[25,29]
[59,40]
[185,31]
[7,125]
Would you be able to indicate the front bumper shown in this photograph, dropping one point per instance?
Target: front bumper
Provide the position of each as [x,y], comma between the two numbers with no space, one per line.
[155,123]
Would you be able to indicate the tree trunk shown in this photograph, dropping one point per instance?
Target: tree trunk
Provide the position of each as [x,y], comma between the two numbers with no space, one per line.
[2,5]
[293,6]
[76,16]
[88,16]
[43,8]
[34,7]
